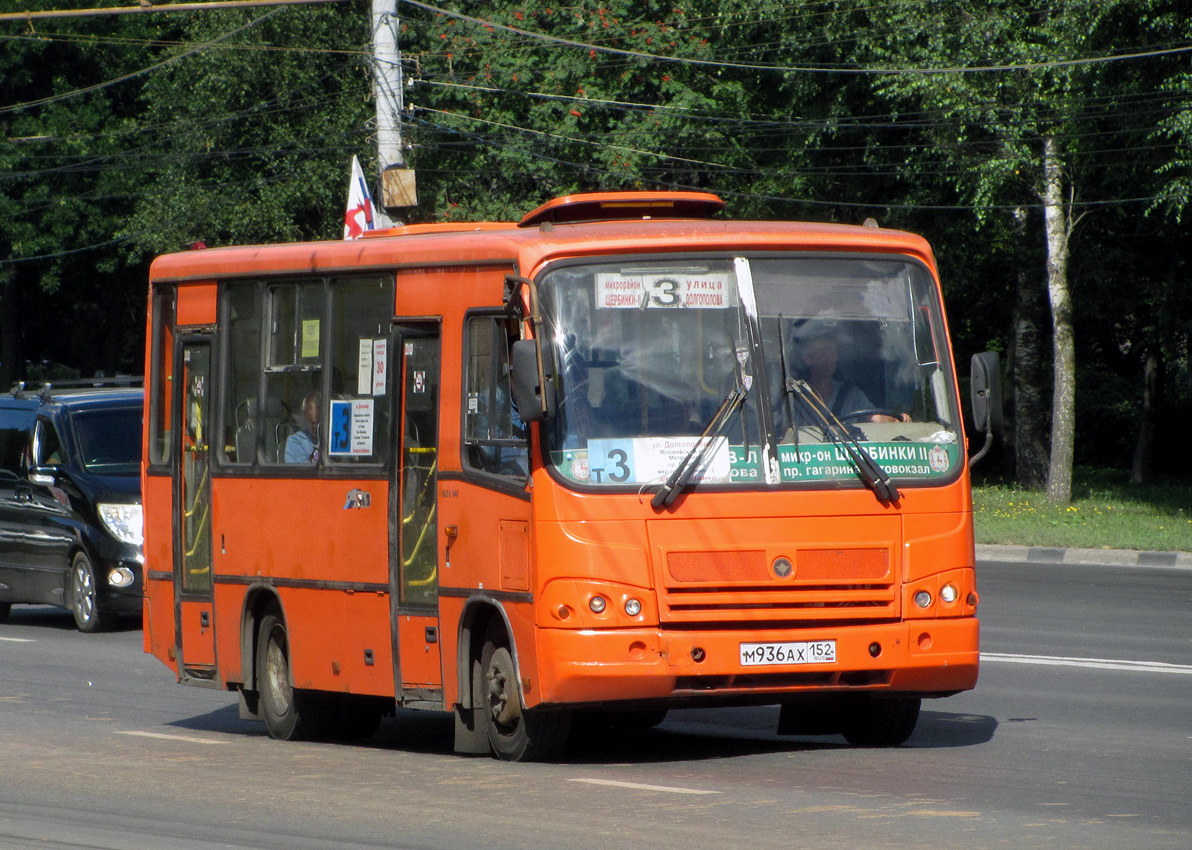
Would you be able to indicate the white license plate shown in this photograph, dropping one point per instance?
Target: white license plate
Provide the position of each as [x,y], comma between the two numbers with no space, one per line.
[797,652]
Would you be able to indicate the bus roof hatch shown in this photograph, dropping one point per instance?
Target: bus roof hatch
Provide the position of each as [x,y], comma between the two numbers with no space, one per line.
[607,206]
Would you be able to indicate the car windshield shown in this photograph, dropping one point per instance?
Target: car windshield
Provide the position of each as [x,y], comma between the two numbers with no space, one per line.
[650,351]
[109,440]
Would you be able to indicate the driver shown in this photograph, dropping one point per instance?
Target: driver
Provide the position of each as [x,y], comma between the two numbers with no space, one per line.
[818,351]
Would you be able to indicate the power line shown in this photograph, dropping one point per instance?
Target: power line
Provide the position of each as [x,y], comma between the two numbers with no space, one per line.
[814,69]
[147,8]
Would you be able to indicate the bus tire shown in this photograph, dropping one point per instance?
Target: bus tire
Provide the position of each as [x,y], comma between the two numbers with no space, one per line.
[84,597]
[290,714]
[515,733]
[880,722]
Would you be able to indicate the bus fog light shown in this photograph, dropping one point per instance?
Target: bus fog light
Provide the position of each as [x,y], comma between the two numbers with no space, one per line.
[633,607]
[875,649]
[597,604]
[949,593]
[121,577]
[923,599]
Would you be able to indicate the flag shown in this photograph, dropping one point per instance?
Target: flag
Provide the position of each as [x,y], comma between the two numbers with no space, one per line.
[361,214]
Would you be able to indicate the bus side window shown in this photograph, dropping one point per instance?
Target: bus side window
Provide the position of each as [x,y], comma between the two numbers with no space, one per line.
[242,422]
[494,435]
[359,358]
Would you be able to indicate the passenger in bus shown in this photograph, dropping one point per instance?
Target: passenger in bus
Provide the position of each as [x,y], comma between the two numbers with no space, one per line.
[819,355]
[303,446]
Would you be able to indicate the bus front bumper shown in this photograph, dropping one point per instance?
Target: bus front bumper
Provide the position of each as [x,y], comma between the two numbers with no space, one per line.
[930,657]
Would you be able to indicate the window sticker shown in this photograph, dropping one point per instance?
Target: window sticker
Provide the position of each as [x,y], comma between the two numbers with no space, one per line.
[364,367]
[380,371]
[650,460]
[690,290]
[645,460]
[351,428]
[310,338]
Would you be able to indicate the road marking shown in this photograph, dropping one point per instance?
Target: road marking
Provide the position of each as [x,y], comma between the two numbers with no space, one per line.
[167,737]
[17,640]
[1093,663]
[670,789]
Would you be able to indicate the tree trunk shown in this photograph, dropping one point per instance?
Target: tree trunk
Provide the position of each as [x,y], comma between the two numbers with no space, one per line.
[1063,399]
[1026,376]
[1152,384]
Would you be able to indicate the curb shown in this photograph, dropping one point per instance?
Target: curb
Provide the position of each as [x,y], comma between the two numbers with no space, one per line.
[1093,557]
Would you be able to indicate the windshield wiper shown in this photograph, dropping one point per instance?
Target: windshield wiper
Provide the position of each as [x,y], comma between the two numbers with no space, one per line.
[875,478]
[695,458]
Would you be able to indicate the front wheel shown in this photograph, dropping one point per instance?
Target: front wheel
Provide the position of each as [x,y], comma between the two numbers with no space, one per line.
[290,714]
[516,733]
[84,597]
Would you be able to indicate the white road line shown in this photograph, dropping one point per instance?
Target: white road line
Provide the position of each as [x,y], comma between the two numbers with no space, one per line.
[1093,663]
[166,737]
[669,789]
[17,640]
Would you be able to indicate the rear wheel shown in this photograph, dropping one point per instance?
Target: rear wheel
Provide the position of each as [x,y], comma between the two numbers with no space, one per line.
[84,597]
[880,722]
[515,733]
[290,714]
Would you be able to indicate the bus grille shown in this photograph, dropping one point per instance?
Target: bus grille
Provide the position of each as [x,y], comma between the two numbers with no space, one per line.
[825,585]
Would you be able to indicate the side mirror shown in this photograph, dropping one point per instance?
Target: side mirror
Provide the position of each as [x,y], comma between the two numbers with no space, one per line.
[986,383]
[46,476]
[533,396]
[987,391]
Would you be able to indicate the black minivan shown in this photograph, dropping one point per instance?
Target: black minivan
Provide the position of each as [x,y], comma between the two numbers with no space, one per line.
[70,500]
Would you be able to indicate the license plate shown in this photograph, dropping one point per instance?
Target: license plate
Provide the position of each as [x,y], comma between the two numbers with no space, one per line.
[797,652]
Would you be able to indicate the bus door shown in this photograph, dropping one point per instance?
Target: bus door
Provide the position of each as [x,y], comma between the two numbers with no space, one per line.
[194,600]
[413,538]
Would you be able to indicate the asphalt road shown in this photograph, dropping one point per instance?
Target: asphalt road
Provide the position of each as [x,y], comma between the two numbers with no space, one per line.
[1079,734]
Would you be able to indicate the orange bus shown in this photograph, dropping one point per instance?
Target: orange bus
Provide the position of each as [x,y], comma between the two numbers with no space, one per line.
[618,457]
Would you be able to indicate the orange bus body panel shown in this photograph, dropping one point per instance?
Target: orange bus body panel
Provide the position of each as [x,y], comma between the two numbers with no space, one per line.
[533,558]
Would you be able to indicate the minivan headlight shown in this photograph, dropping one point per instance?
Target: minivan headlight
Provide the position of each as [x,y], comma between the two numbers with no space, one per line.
[124,520]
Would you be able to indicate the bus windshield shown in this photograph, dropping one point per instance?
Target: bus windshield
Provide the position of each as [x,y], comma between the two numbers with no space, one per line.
[721,363]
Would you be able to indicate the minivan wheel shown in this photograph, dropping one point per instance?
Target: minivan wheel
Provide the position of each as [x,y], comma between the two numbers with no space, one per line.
[84,597]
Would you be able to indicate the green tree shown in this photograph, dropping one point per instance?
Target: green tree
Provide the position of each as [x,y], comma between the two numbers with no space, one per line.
[1022,123]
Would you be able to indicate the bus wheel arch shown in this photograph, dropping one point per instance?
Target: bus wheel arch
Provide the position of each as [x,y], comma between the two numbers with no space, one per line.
[289,713]
[514,732]
[258,601]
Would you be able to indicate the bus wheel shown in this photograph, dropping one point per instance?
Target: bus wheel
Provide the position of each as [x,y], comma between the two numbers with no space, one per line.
[290,714]
[84,596]
[514,733]
[880,722]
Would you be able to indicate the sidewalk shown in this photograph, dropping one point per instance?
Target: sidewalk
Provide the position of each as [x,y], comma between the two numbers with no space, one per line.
[1105,557]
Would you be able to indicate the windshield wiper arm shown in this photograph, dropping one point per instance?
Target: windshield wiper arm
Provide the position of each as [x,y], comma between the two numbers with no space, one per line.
[875,478]
[695,457]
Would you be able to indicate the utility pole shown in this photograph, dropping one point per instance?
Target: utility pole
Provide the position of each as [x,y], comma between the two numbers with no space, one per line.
[398,188]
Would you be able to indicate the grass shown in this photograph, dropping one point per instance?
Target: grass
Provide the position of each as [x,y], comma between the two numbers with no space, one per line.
[1106,512]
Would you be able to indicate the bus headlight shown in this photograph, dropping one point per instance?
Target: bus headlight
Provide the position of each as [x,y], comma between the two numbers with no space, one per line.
[597,604]
[949,593]
[124,521]
[923,599]
[633,607]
